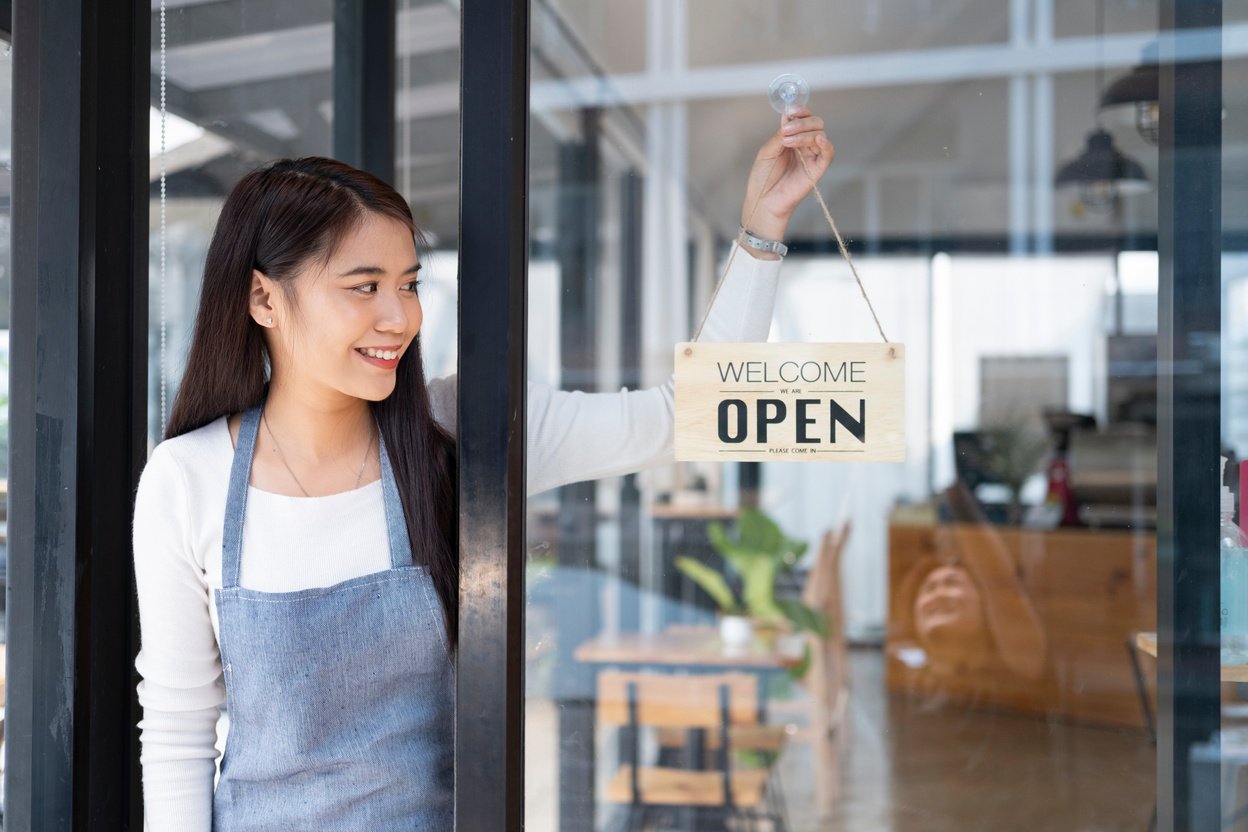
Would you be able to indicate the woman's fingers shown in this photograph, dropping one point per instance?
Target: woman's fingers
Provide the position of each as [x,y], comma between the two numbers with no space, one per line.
[817,153]
[799,129]
[802,125]
[796,122]
[821,154]
[802,131]
[795,113]
[808,139]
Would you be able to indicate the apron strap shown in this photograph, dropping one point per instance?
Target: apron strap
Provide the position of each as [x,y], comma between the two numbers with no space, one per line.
[236,503]
[396,523]
[236,499]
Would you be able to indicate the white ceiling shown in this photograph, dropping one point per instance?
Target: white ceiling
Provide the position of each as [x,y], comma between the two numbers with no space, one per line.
[922,130]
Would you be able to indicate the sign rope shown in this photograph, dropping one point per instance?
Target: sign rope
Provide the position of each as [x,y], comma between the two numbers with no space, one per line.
[840,242]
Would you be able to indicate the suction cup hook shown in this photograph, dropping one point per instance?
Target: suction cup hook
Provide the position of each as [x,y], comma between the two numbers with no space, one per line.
[788,92]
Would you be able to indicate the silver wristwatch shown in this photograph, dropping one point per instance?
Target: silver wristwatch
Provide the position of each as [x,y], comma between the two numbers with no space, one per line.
[761,243]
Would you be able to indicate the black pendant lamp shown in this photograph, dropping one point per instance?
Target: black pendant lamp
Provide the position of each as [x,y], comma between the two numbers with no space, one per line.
[1138,93]
[1102,172]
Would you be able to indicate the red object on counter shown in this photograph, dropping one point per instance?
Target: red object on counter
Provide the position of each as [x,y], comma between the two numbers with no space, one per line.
[1243,490]
[1059,492]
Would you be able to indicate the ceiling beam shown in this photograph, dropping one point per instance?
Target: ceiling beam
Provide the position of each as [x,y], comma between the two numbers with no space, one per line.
[185,105]
[196,21]
[297,50]
[887,69]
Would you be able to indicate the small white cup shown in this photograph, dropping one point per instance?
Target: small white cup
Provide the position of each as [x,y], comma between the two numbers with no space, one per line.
[735,631]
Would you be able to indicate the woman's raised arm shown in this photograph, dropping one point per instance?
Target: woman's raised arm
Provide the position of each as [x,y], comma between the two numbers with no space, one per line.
[575,436]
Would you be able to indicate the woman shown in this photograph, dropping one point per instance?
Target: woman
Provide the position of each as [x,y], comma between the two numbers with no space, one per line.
[295,535]
[966,607]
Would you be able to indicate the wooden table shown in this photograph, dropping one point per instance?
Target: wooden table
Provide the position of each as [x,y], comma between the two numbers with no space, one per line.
[694,511]
[1147,643]
[691,648]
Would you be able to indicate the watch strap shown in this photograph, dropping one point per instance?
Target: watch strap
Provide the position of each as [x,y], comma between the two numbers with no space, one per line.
[761,243]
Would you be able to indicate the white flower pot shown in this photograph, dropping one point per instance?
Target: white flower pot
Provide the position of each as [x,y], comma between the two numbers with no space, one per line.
[735,630]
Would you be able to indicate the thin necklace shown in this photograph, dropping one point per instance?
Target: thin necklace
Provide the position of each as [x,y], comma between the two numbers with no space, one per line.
[264,416]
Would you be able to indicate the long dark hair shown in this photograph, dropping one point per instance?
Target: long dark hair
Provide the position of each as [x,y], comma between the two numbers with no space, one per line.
[277,219]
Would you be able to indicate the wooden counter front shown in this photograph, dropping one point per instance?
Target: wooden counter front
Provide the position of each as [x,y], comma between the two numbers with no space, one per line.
[1075,600]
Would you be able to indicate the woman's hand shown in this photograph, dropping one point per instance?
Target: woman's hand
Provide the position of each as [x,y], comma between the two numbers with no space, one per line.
[778,180]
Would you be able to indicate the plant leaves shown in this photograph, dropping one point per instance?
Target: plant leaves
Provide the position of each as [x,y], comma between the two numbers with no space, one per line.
[754,758]
[710,581]
[758,586]
[758,554]
[804,618]
[798,671]
[759,533]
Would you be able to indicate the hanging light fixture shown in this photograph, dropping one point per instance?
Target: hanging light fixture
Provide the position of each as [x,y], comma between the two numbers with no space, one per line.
[1136,95]
[1102,172]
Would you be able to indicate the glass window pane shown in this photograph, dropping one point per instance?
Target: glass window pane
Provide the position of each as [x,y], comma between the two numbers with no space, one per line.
[427,163]
[247,82]
[985,598]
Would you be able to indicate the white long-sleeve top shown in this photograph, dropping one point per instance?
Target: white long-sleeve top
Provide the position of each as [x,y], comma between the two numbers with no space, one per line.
[293,543]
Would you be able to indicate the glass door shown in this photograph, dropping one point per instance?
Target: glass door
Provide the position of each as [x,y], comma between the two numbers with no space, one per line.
[1013,627]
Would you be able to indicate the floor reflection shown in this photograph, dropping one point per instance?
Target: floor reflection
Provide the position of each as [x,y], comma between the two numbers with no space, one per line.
[924,766]
[927,767]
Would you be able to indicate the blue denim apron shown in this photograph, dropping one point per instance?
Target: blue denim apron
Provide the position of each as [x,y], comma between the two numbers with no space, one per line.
[341,699]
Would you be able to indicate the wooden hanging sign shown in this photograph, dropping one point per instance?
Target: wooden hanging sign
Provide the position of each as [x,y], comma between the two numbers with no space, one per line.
[746,402]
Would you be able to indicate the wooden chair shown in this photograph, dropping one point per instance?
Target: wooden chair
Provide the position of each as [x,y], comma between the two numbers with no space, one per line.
[827,680]
[828,676]
[698,703]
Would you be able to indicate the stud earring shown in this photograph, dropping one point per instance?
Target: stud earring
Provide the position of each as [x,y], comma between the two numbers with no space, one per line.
[270,321]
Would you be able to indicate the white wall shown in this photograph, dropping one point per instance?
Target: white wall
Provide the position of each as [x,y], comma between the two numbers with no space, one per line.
[949,317]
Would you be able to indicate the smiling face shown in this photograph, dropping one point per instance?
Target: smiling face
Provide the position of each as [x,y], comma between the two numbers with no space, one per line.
[948,608]
[350,320]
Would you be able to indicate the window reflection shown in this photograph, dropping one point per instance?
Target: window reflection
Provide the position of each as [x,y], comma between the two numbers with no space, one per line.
[252,81]
[997,591]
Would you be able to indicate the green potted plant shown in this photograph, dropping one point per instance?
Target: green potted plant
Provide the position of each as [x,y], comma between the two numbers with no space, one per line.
[1014,452]
[758,554]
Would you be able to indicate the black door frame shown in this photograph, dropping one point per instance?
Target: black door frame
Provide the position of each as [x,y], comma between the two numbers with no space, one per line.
[493,305]
[364,85]
[78,410]
[1189,329]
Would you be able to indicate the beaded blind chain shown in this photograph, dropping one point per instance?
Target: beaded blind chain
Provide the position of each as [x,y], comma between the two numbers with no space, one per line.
[164,378]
